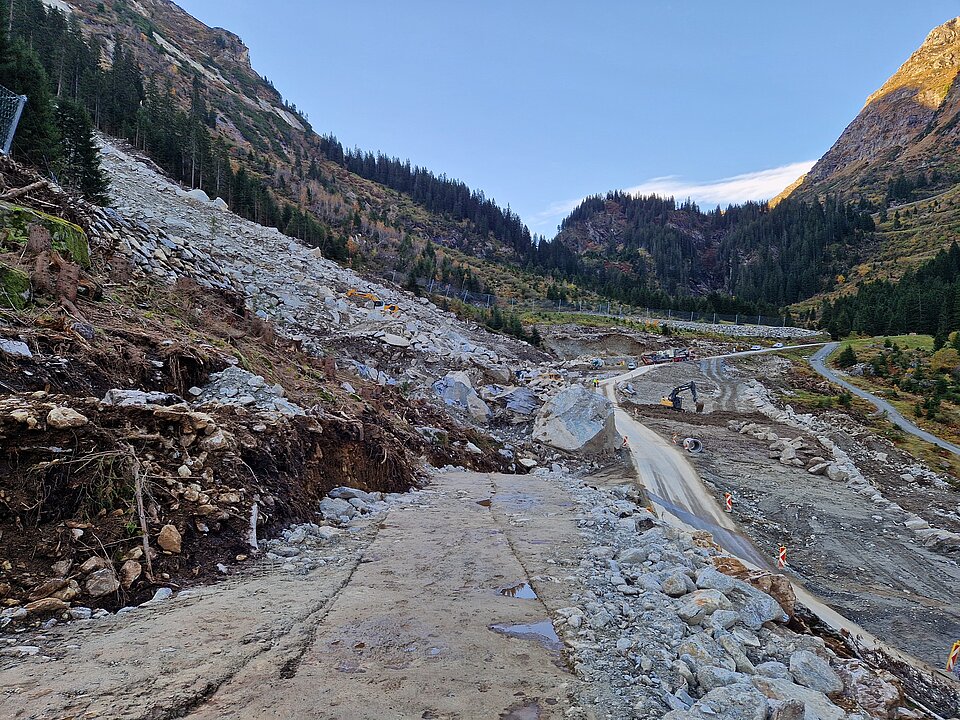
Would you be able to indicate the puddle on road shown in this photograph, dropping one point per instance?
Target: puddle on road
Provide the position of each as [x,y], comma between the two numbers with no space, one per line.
[522,712]
[541,631]
[522,591]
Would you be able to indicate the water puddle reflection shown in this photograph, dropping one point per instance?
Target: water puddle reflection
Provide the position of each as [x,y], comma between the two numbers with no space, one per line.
[541,631]
[522,591]
[524,712]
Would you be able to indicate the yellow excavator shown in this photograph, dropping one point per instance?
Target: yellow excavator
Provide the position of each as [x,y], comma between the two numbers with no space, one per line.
[675,402]
[353,292]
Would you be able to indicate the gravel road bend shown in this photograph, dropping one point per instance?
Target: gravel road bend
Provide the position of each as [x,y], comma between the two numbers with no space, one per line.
[818,363]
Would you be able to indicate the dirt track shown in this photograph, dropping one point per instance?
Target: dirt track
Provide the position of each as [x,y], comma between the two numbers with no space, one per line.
[403,632]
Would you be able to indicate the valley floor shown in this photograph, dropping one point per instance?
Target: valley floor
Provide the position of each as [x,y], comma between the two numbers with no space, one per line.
[852,551]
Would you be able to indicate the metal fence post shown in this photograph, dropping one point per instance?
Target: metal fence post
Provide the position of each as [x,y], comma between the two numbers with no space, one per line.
[8,141]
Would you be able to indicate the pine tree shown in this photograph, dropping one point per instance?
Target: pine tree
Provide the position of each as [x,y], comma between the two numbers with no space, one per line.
[79,163]
[847,357]
[36,141]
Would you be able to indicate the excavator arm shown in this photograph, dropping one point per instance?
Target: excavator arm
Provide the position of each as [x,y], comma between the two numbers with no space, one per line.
[675,402]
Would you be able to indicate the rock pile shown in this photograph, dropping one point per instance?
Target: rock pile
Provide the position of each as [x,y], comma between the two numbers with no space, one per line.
[756,331]
[841,468]
[168,233]
[662,629]
[237,387]
[795,452]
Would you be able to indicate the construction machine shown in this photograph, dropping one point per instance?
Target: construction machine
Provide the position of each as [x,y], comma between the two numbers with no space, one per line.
[353,292]
[675,402]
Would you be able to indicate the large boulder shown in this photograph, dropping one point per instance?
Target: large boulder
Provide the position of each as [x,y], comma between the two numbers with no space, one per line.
[738,701]
[456,389]
[577,420]
[815,673]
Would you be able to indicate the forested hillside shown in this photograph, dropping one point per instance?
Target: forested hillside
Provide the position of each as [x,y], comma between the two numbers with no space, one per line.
[925,300]
[766,257]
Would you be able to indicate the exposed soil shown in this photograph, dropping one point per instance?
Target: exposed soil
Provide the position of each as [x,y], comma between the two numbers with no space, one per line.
[68,494]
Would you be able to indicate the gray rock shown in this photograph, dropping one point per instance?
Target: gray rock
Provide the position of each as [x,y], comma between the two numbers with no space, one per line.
[80,613]
[755,606]
[335,508]
[577,420]
[15,348]
[348,493]
[710,579]
[457,390]
[739,701]
[711,676]
[773,669]
[102,582]
[675,585]
[702,649]
[285,551]
[161,594]
[724,619]
[815,673]
[817,705]
[138,398]
[632,556]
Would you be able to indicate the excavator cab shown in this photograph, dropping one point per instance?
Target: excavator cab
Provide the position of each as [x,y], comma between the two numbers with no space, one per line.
[675,402]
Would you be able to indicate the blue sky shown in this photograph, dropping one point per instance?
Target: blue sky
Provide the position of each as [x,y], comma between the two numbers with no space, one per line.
[540,103]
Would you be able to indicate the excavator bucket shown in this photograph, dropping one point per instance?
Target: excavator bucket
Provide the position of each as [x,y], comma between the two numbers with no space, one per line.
[699,406]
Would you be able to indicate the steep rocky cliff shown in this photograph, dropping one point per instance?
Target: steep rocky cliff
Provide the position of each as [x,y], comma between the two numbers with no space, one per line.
[908,126]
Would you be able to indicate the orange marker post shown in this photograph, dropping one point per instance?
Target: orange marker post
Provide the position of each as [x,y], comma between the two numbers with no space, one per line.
[954,656]
[728,502]
[782,557]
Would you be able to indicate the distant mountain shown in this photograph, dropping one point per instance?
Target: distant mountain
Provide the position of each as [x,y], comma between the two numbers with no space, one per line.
[909,128]
[900,158]
[751,254]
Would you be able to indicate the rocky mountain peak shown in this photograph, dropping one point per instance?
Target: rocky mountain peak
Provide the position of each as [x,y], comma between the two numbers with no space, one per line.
[906,128]
[931,69]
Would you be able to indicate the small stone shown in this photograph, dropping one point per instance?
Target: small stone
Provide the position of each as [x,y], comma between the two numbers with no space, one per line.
[129,572]
[80,613]
[169,539]
[161,594]
[102,582]
[15,348]
[64,418]
[46,606]
[183,471]
[94,563]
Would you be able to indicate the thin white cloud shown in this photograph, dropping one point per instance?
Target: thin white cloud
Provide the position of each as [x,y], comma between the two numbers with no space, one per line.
[759,185]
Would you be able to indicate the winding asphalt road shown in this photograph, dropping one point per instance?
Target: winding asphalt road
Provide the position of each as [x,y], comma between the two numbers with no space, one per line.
[818,363]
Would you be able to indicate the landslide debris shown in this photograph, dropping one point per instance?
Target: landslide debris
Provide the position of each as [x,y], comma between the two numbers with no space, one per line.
[151,432]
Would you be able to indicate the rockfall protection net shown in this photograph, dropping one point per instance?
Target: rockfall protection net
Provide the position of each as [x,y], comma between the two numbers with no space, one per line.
[11,106]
